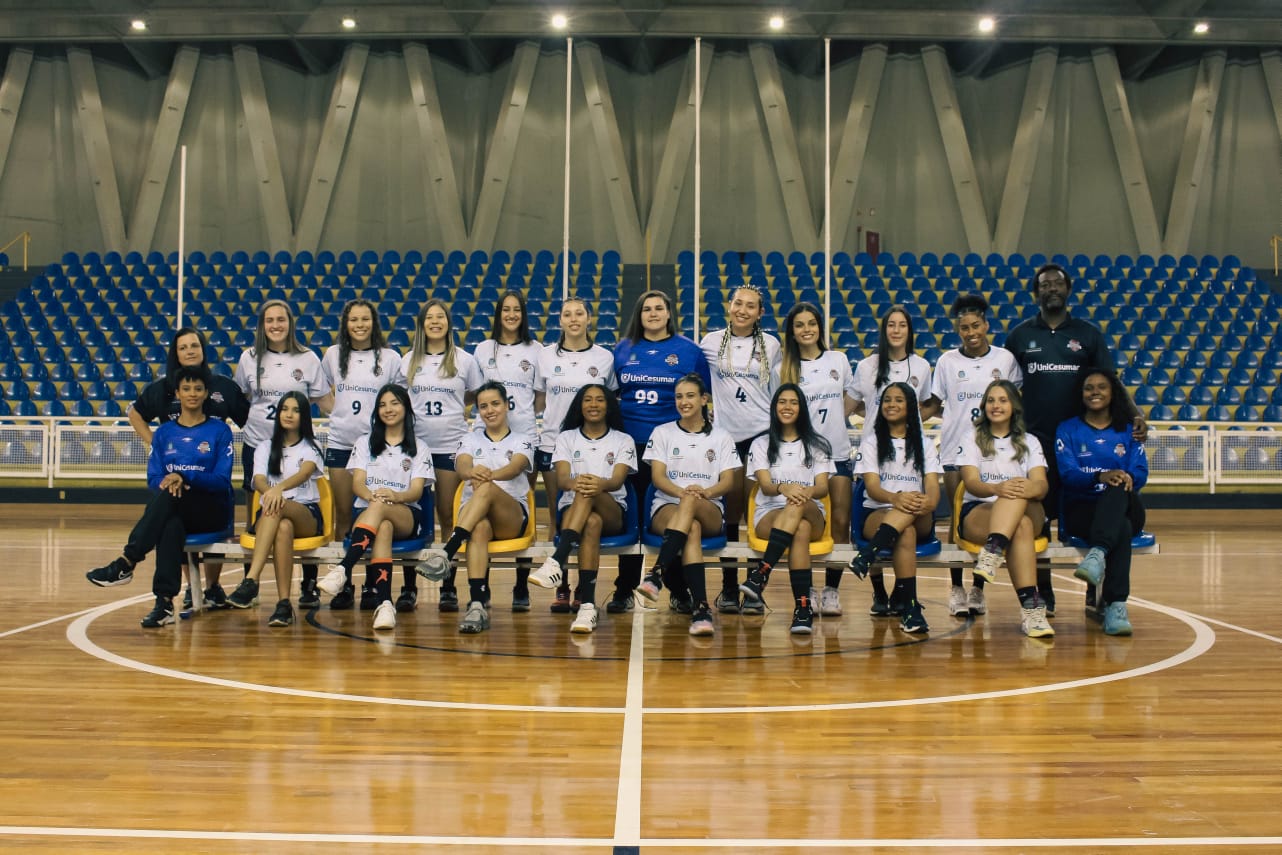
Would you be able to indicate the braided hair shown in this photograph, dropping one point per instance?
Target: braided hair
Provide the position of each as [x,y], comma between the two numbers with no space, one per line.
[758,342]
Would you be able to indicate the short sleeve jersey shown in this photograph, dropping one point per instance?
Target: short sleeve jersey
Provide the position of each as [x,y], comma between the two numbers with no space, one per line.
[741,385]
[561,374]
[292,458]
[915,371]
[789,468]
[959,383]
[226,401]
[393,468]
[497,453]
[826,380]
[516,366]
[899,474]
[691,458]
[1001,465]
[282,372]
[588,456]
[355,394]
[648,372]
[439,421]
[1051,359]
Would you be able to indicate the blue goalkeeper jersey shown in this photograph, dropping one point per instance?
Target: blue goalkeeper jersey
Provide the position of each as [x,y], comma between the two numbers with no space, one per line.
[202,454]
[1082,452]
[648,372]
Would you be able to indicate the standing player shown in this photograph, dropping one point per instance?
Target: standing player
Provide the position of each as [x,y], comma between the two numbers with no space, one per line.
[354,370]
[744,362]
[894,362]
[648,362]
[961,378]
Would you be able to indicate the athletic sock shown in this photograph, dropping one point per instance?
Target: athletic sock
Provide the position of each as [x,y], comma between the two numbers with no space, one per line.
[878,581]
[884,538]
[696,582]
[800,582]
[776,546]
[455,542]
[586,591]
[997,542]
[832,577]
[1028,598]
[670,552]
[379,577]
[311,572]
[362,540]
[478,591]
[905,590]
[569,539]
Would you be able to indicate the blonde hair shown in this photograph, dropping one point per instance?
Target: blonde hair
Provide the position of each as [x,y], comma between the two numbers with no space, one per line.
[419,350]
[984,428]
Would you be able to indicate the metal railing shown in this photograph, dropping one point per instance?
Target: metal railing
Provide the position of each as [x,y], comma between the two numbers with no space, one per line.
[25,237]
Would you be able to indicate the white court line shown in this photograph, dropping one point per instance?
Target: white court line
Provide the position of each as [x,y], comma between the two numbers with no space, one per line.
[1273,638]
[648,843]
[627,808]
[60,618]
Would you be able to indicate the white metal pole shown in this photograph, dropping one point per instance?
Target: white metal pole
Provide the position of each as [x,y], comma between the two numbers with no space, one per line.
[698,178]
[828,190]
[565,234]
[182,231]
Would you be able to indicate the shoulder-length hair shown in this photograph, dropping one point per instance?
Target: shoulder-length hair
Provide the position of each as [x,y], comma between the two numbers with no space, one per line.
[984,428]
[305,431]
[1120,409]
[883,346]
[523,331]
[378,430]
[635,331]
[419,349]
[914,445]
[376,340]
[613,413]
[811,440]
[790,369]
[171,357]
[292,344]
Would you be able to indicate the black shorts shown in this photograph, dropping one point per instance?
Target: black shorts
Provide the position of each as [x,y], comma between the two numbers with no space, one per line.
[314,509]
[336,458]
[247,467]
[743,447]
[543,461]
[844,469]
[966,508]
[443,462]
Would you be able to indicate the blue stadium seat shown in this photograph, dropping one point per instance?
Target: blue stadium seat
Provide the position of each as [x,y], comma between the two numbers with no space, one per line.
[1161,413]
[43,390]
[1246,413]
[1228,396]
[1188,413]
[1146,396]
[1201,396]
[1219,413]
[1272,413]
[1174,396]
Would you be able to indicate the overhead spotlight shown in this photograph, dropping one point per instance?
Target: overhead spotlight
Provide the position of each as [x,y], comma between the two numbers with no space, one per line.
[349,23]
[1201,28]
[559,21]
[138,25]
[987,24]
[776,22]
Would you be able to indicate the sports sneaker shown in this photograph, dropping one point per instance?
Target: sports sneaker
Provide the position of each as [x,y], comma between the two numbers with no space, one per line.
[160,615]
[862,562]
[408,600]
[369,598]
[829,602]
[620,603]
[897,606]
[246,594]
[118,572]
[976,602]
[385,615]
[561,604]
[283,615]
[957,606]
[682,604]
[987,564]
[216,597]
[880,605]
[476,620]
[913,620]
[650,587]
[549,574]
[436,566]
[1034,623]
[701,622]
[728,602]
[333,581]
[585,621]
[1116,620]
[308,594]
[753,588]
[187,605]
[520,600]
[344,599]
[1091,568]
[448,601]
[803,619]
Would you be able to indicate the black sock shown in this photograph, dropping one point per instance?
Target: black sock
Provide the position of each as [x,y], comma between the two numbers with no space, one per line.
[731,531]
[569,539]
[1044,586]
[997,542]
[311,572]
[411,577]
[457,537]
[362,540]
[379,577]
[447,584]
[800,582]
[670,552]
[878,581]
[523,568]
[978,582]
[1028,597]
[696,583]
[832,577]
[884,538]
[479,592]
[629,575]
[586,592]
[905,590]
[777,545]
[729,576]
[955,573]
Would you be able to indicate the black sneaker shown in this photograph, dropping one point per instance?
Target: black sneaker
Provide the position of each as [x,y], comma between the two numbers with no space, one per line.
[862,562]
[118,572]
[898,607]
[308,594]
[520,600]
[620,603]
[369,598]
[344,599]
[283,615]
[803,618]
[880,606]
[408,600]
[216,597]
[187,599]
[913,620]
[682,604]
[728,602]
[245,595]
[449,600]
[161,615]
[752,588]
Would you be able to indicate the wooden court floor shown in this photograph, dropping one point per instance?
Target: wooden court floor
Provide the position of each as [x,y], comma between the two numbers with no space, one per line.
[221,735]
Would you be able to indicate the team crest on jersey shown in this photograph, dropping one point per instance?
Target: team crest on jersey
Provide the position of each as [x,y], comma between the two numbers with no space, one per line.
[593,371]
[676,451]
[1074,345]
[203,448]
[509,454]
[577,454]
[997,375]
[710,454]
[492,362]
[961,374]
[833,374]
[405,464]
[1119,450]
[556,370]
[525,365]
[609,458]
[632,358]
[297,374]
[671,359]
[912,381]
[217,397]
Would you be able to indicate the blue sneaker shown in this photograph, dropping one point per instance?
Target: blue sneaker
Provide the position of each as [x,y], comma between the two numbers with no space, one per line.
[1116,620]
[1091,568]
[913,620]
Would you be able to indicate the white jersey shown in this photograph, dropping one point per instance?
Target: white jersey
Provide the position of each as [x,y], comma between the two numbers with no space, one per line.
[355,394]
[692,459]
[827,380]
[560,376]
[897,475]
[959,384]
[282,372]
[588,456]
[292,458]
[393,468]
[740,396]
[1002,465]
[497,453]
[439,421]
[789,468]
[915,371]
[516,366]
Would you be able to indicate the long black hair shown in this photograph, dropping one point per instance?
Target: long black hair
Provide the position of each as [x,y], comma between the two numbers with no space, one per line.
[523,331]
[914,446]
[694,378]
[376,340]
[171,358]
[613,413]
[883,346]
[305,431]
[378,430]
[810,440]
[1120,409]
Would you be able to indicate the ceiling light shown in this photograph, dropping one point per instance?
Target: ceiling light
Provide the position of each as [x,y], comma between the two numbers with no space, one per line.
[349,23]
[559,21]
[1201,28]
[776,22]
[987,24]
[138,25]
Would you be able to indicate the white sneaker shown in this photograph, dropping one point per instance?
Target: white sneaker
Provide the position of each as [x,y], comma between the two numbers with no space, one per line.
[385,615]
[987,564]
[585,620]
[435,567]
[829,602]
[976,603]
[333,581]
[475,620]
[957,606]
[549,574]
[1034,623]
